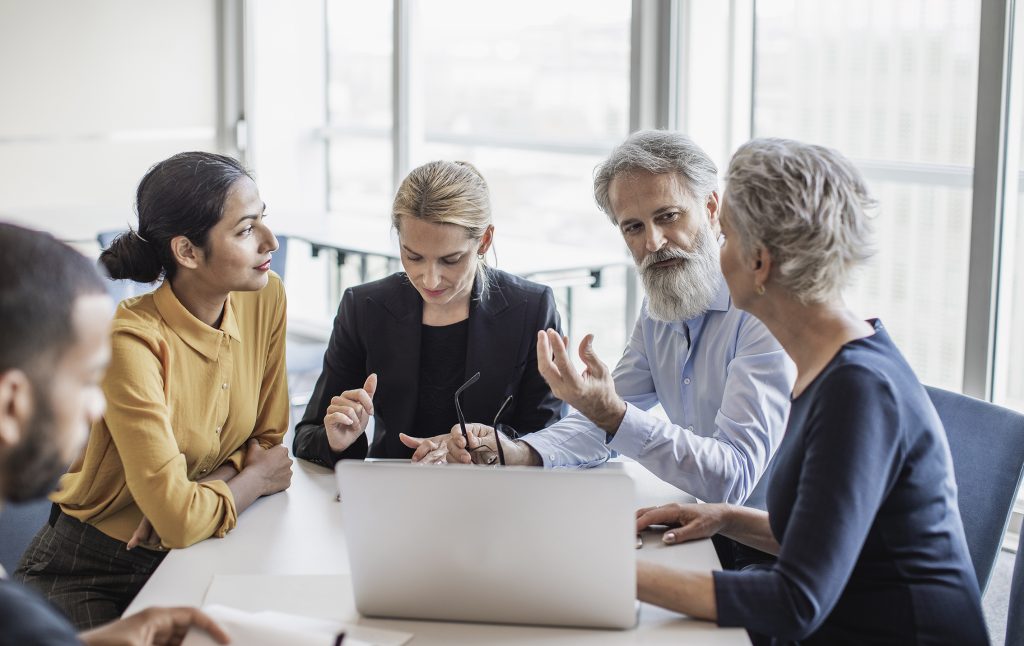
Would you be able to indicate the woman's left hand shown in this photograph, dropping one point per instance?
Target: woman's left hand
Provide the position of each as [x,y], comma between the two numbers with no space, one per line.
[145,536]
[689,522]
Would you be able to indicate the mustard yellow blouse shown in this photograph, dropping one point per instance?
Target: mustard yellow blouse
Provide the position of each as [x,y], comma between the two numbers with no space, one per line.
[182,399]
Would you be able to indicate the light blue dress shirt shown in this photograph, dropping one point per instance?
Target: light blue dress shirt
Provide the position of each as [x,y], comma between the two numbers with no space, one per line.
[724,383]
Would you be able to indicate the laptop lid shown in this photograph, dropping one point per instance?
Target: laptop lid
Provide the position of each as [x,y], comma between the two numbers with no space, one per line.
[512,545]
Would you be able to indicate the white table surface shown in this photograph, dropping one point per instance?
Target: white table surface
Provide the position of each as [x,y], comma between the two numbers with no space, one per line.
[300,532]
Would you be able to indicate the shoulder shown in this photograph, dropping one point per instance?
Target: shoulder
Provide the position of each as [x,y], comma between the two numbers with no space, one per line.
[27,618]
[377,289]
[137,320]
[514,285]
[858,380]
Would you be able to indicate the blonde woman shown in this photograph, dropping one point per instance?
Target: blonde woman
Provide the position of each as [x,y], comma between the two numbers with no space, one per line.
[862,508]
[403,345]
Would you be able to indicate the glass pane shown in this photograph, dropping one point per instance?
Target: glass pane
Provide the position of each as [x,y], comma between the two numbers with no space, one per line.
[877,79]
[917,280]
[534,70]
[360,175]
[1009,359]
[359,51]
[359,64]
[892,86]
[1009,367]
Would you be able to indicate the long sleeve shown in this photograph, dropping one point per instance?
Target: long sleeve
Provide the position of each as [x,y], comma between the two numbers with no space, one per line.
[273,407]
[182,400]
[138,419]
[850,454]
[537,406]
[726,464]
[721,464]
[343,369]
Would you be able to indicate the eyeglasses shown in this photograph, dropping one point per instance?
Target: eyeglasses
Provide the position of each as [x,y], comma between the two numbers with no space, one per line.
[462,421]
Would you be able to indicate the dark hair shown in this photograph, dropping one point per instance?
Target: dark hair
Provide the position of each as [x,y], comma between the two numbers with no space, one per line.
[40,280]
[180,196]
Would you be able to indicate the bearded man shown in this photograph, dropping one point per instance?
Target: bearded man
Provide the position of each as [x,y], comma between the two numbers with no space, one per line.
[720,377]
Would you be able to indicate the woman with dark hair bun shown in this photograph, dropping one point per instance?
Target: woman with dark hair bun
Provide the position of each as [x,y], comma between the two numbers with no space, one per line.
[197,401]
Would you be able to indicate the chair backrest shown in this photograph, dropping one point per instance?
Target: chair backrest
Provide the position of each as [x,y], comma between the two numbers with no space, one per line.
[279,261]
[122,288]
[987,443]
[1015,612]
[18,524]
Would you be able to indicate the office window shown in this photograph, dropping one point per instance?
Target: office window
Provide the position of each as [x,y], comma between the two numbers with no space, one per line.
[535,94]
[1008,384]
[892,86]
[359,104]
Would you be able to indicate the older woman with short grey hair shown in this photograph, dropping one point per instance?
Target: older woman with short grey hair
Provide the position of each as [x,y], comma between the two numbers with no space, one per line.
[862,509]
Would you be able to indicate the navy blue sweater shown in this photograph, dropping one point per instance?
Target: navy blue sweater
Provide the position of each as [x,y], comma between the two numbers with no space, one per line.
[863,502]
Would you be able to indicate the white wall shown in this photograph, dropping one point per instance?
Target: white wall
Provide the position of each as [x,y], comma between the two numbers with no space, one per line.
[93,93]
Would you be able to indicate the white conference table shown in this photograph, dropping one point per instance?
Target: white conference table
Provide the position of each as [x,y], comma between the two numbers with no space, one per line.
[300,532]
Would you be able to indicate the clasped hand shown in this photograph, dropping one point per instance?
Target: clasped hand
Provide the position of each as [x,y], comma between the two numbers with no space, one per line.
[453,448]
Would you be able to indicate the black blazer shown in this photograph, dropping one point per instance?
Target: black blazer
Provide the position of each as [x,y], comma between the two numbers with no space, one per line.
[377,329]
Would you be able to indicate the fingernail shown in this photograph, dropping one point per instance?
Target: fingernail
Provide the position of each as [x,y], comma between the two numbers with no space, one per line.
[669,538]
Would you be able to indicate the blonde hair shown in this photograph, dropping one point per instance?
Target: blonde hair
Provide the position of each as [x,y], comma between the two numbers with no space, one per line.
[446,192]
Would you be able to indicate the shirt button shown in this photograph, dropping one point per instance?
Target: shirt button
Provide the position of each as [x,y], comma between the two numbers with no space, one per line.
[690,428]
[202,471]
[686,381]
[224,386]
[217,430]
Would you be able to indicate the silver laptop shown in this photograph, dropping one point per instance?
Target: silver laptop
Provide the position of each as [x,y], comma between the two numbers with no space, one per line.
[514,545]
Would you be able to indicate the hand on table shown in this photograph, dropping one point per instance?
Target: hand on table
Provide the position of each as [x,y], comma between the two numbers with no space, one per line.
[429,450]
[273,465]
[592,392]
[154,627]
[348,415]
[689,522]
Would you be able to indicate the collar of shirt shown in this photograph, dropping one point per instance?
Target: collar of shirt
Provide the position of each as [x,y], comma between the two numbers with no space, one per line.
[200,336]
[691,328]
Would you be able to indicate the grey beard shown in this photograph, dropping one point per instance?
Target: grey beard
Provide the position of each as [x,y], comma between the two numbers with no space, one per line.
[682,292]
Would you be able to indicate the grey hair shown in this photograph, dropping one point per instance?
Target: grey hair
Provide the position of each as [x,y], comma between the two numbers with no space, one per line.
[657,152]
[807,206]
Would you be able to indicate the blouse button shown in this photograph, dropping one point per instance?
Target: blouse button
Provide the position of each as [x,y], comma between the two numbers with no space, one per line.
[224,386]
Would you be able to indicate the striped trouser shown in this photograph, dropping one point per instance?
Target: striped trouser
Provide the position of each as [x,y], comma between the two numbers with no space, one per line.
[90,576]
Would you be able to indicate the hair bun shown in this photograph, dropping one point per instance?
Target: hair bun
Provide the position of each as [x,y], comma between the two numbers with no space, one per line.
[131,256]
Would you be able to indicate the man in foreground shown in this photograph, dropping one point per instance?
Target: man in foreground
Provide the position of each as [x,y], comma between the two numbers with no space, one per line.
[54,347]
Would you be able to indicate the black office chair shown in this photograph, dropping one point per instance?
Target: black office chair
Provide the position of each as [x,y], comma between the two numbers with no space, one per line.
[303,356]
[987,443]
[18,524]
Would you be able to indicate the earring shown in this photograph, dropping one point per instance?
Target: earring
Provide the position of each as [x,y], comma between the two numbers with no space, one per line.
[759,288]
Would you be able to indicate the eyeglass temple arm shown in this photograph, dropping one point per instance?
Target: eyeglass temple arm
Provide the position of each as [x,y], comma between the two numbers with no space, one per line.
[497,436]
[458,406]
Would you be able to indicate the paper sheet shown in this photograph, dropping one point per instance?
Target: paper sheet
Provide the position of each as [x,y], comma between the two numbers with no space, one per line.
[304,610]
